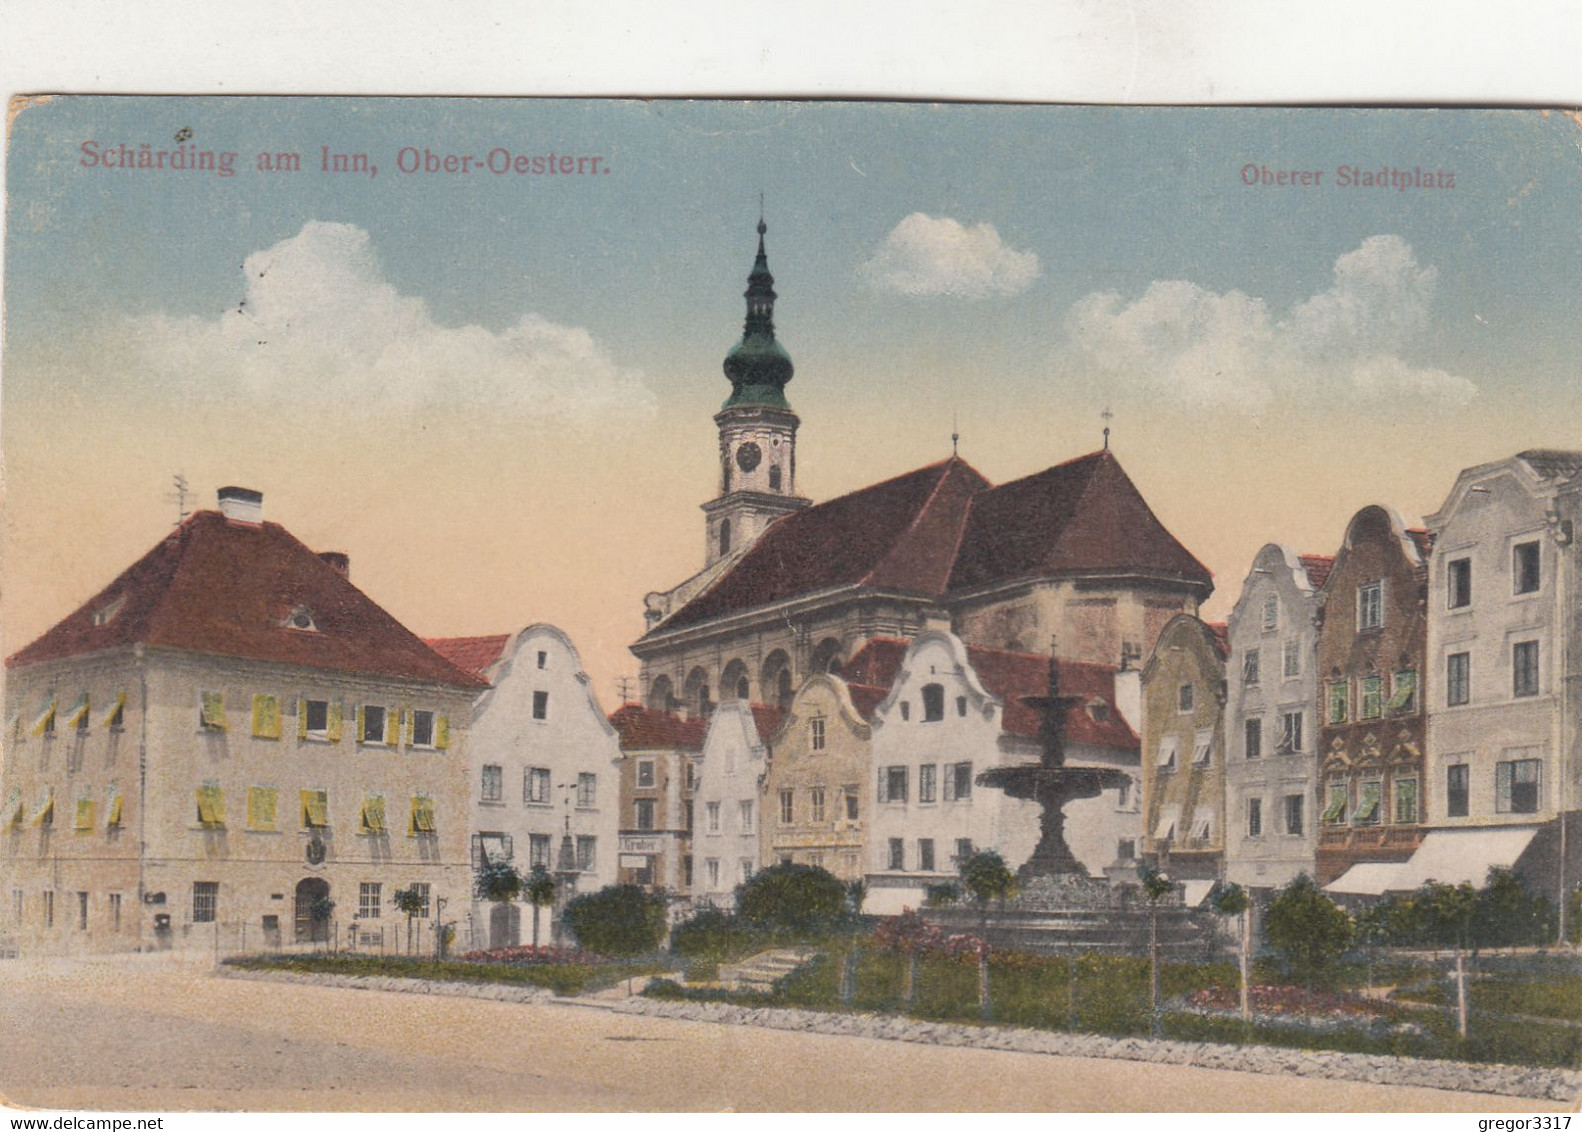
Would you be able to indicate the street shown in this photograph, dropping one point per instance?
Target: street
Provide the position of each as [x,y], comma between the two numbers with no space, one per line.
[161,1033]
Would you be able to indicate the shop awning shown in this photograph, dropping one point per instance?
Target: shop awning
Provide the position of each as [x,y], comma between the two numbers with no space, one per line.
[1457,856]
[891,901]
[1371,878]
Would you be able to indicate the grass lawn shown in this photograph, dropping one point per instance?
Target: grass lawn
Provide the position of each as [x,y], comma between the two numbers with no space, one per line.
[1552,996]
[562,978]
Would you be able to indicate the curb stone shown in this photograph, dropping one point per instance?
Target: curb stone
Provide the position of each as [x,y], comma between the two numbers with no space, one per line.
[498,992]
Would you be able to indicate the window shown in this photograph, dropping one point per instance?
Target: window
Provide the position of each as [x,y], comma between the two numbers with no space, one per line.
[1253,737]
[1291,659]
[49,908]
[1525,568]
[645,813]
[1202,823]
[115,718]
[115,911]
[1335,804]
[774,477]
[933,703]
[1370,606]
[787,807]
[1165,830]
[422,816]
[420,731]
[205,901]
[1458,679]
[645,773]
[261,805]
[1290,732]
[373,816]
[850,794]
[211,806]
[712,813]
[958,782]
[1185,698]
[266,717]
[892,784]
[493,783]
[1516,787]
[897,853]
[1169,748]
[1293,814]
[1271,613]
[540,705]
[925,854]
[538,850]
[1372,697]
[1524,668]
[211,711]
[314,719]
[963,849]
[372,727]
[1458,579]
[1457,783]
[1254,817]
[1123,795]
[1403,693]
[370,895]
[492,849]
[16,906]
[816,803]
[925,782]
[543,660]
[587,790]
[424,908]
[587,854]
[1369,797]
[746,816]
[82,911]
[1405,801]
[1339,701]
[815,729]
[1126,849]
[711,869]
[689,776]
[83,822]
[315,809]
[1249,671]
[961,706]
[535,785]
[1202,748]
[906,711]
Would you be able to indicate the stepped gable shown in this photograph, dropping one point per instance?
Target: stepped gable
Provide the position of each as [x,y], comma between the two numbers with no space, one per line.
[1318,567]
[471,654]
[228,588]
[1010,676]
[1081,517]
[899,535]
[648,729]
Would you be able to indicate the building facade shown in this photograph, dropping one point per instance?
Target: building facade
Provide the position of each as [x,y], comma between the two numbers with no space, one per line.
[231,746]
[1184,695]
[1271,832]
[659,754]
[1372,640]
[727,803]
[545,768]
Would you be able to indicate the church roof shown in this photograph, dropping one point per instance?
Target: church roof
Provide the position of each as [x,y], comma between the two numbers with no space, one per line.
[897,535]
[232,589]
[1081,517]
[767,717]
[648,729]
[471,654]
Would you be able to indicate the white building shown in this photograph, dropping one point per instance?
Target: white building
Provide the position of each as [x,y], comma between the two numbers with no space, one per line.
[727,822]
[953,712]
[545,771]
[1271,827]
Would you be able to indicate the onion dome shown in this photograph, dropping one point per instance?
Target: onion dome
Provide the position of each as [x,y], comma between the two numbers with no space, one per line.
[758,366]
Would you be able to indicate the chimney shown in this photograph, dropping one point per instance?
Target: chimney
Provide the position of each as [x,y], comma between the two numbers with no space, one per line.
[338,561]
[242,504]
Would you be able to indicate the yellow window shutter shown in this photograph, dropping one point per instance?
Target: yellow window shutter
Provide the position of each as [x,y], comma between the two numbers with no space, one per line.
[266,716]
[409,717]
[84,822]
[315,809]
[442,731]
[114,817]
[45,720]
[115,716]
[211,806]
[13,809]
[261,807]
[392,726]
[213,711]
[373,814]
[45,813]
[75,714]
[302,718]
[361,719]
[422,815]
[332,731]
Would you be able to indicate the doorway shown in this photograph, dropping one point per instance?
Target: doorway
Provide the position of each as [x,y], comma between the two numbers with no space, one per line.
[310,891]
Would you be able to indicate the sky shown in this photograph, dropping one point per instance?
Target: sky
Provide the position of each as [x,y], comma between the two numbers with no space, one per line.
[495,390]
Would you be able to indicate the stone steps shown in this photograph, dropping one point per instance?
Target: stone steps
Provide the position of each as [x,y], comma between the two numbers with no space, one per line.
[762,971]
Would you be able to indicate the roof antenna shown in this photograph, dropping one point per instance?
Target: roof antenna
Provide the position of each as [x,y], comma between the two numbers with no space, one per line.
[1107,415]
[955,431]
[179,497]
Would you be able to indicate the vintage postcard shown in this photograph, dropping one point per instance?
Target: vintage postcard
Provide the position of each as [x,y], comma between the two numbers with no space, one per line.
[534,605]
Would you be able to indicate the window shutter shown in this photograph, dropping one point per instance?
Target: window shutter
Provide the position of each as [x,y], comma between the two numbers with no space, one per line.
[332,728]
[1502,788]
[392,726]
[411,718]
[949,792]
[302,718]
[882,793]
[442,732]
[360,719]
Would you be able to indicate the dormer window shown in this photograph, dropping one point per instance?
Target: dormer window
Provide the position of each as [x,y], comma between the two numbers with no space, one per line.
[300,617]
[106,612]
[1099,711]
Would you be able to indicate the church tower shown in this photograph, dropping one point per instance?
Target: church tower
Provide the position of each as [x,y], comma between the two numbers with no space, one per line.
[757,427]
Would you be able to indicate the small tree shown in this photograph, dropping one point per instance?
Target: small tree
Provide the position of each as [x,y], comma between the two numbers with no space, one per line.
[1229,899]
[410,902]
[795,898]
[319,912]
[985,877]
[1307,928]
[499,883]
[538,889]
[620,921]
[1156,886]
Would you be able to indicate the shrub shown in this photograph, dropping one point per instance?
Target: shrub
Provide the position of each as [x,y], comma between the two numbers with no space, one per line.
[799,898]
[622,920]
[985,877]
[1307,928]
[498,882]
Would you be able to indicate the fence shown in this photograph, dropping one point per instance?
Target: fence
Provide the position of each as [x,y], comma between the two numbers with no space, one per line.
[395,937]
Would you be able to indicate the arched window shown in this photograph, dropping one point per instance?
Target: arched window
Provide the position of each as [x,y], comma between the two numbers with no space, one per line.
[775,678]
[826,657]
[734,684]
[725,536]
[695,695]
[660,693]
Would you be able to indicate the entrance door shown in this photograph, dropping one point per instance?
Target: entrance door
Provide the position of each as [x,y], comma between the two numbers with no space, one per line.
[505,925]
[309,892]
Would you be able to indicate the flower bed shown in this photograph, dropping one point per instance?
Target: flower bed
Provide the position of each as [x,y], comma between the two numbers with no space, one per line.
[530,955]
[1291,1000]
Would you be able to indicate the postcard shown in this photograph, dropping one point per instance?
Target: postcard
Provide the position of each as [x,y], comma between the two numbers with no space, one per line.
[798,605]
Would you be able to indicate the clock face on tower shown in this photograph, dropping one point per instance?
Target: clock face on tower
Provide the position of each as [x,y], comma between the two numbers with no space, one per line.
[748,455]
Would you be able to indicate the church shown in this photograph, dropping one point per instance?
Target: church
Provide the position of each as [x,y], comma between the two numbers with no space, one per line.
[790,589]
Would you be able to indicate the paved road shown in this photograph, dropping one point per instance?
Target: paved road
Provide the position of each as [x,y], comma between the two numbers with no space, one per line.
[150,1033]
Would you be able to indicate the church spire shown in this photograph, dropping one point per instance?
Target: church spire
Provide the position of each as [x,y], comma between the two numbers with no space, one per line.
[758,366]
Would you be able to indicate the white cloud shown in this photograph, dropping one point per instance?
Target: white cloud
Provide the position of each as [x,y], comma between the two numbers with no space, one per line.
[926,255]
[318,320]
[1187,344]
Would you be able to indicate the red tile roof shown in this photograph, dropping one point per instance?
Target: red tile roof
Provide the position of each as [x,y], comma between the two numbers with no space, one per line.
[866,698]
[1318,567]
[472,654]
[1010,676]
[648,729]
[227,589]
[767,717]
[1083,516]
[1220,631]
[877,663]
[897,535]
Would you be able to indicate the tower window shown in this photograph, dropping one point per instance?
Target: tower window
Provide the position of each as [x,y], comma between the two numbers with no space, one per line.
[774,477]
[725,536]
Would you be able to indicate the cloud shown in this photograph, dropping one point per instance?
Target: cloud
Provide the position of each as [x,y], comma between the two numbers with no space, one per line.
[926,255]
[1187,344]
[318,321]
